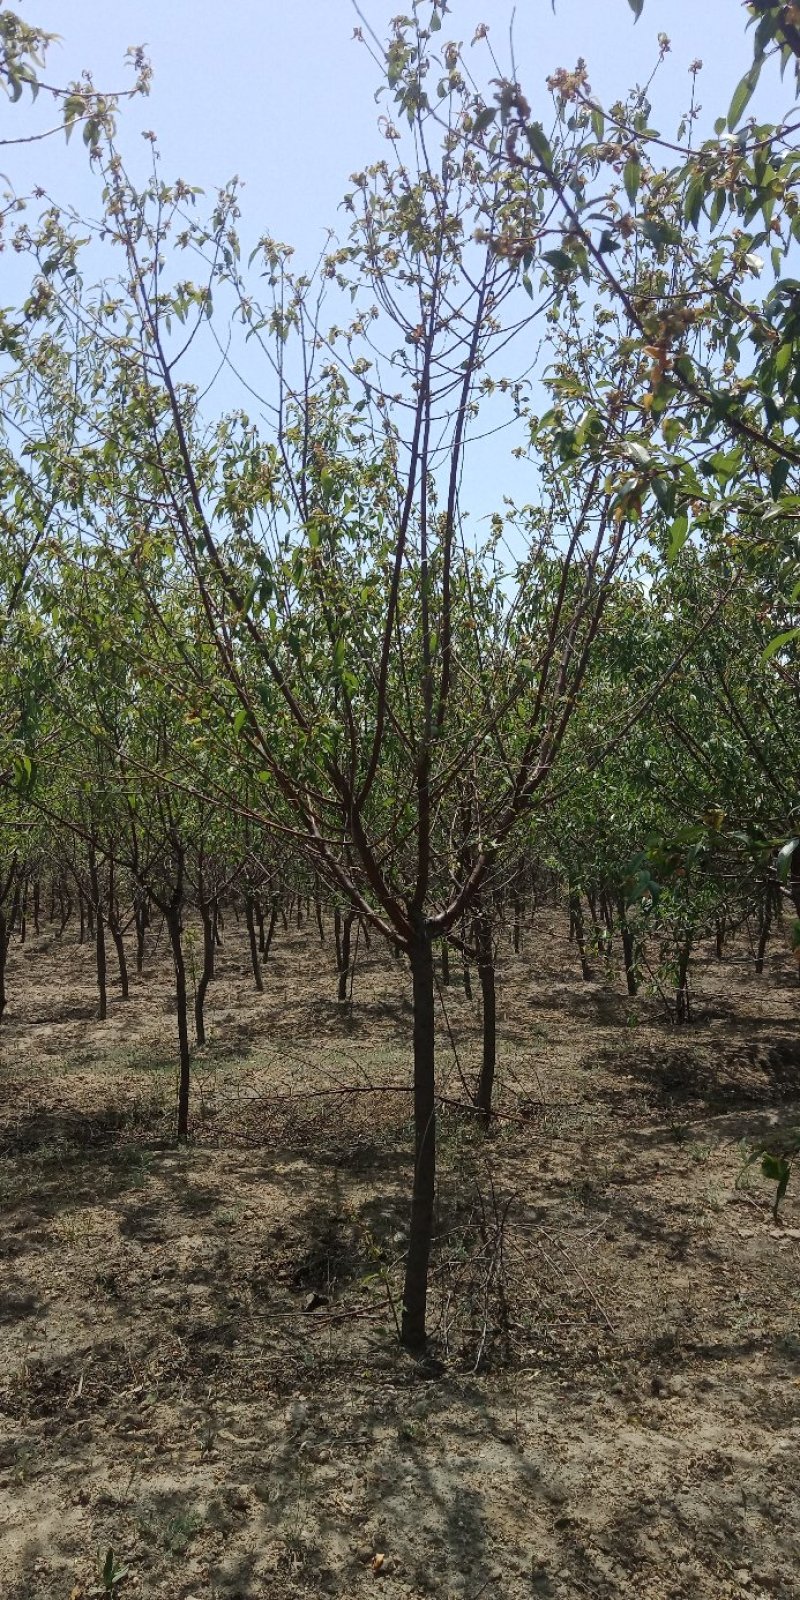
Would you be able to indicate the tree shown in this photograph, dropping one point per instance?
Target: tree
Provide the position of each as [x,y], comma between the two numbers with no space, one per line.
[389,680]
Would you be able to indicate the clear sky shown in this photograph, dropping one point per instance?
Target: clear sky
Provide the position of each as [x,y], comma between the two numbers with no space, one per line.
[279,93]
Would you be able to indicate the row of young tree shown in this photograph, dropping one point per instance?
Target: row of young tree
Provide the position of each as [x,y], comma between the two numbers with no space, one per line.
[247,643]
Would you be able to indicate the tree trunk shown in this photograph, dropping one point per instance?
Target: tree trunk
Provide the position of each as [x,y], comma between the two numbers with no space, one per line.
[517,907]
[578,931]
[99,935]
[628,950]
[249,911]
[793,880]
[683,1009]
[173,917]
[119,945]
[415,1291]
[206,974]
[273,917]
[13,920]
[483,942]
[765,925]
[445,962]
[140,920]
[343,943]
[64,909]
[36,906]
[320,923]
[3,953]
[465,969]
[628,955]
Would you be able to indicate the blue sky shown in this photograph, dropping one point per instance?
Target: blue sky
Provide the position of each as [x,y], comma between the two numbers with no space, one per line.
[279,93]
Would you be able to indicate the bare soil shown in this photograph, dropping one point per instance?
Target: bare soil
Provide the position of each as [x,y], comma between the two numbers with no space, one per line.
[199,1369]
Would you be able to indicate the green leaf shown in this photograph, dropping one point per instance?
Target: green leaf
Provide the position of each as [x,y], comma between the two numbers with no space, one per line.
[637,7]
[778,643]
[559,260]
[664,494]
[725,465]
[632,177]
[742,93]
[778,477]
[638,453]
[538,141]
[773,1166]
[785,857]
[779,1169]
[484,120]
[678,534]
[693,203]
[717,206]
[598,123]
[240,720]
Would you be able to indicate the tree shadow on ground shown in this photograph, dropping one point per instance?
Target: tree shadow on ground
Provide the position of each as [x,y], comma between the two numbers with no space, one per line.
[72,1135]
[698,1072]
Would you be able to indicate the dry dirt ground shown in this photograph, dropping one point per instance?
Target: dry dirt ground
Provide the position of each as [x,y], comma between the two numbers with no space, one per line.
[198,1367]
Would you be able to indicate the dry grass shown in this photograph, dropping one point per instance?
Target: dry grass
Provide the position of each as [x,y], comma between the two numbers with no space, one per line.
[199,1368]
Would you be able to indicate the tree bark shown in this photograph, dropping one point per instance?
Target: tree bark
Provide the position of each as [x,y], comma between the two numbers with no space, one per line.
[628,949]
[343,944]
[206,974]
[249,911]
[141,920]
[415,1291]
[445,963]
[64,909]
[173,917]
[465,968]
[15,907]
[3,953]
[518,906]
[483,942]
[273,917]
[99,935]
[683,1009]
[119,945]
[764,929]
[578,931]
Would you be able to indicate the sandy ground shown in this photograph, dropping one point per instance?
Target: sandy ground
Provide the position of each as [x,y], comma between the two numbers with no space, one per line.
[198,1363]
